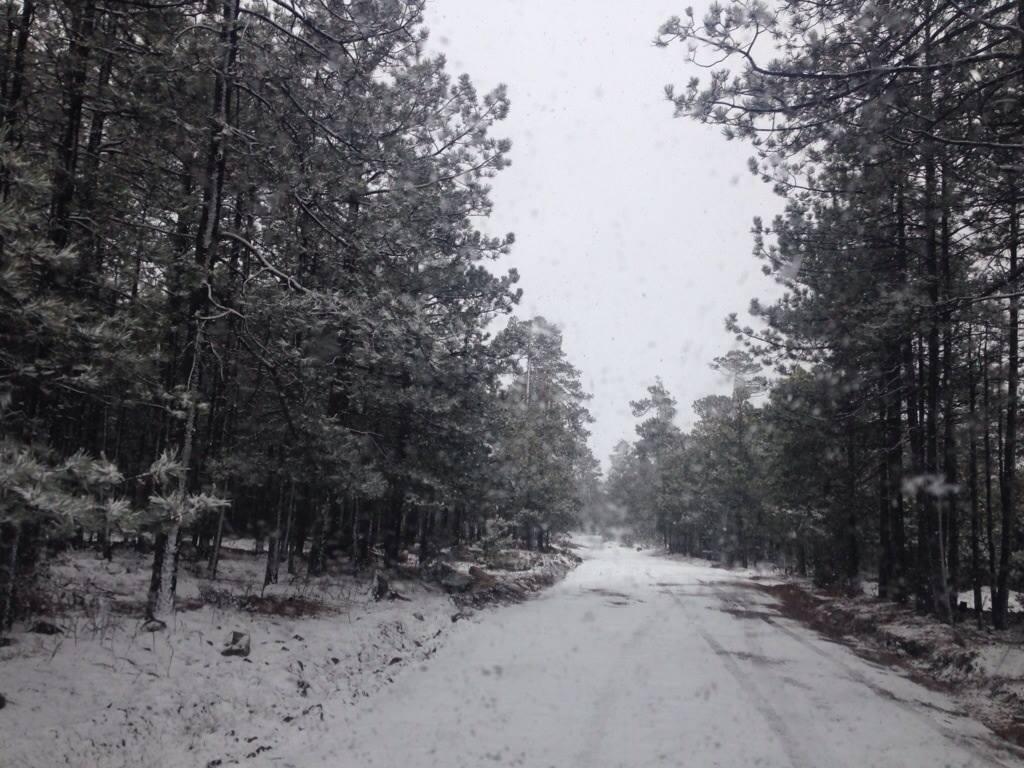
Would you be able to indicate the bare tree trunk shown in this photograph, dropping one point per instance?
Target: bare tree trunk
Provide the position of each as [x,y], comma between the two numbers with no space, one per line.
[317,562]
[934,594]
[885,505]
[457,533]
[214,561]
[852,543]
[1001,594]
[273,543]
[895,474]
[916,456]
[972,475]
[989,513]
[297,541]
[13,92]
[286,544]
[9,536]
[164,579]
[165,564]
[425,517]
[951,551]
[92,256]
[82,25]
[911,387]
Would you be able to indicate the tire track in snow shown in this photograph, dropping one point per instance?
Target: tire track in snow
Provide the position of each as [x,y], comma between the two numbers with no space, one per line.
[795,753]
[598,721]
[967,742]
[971,744]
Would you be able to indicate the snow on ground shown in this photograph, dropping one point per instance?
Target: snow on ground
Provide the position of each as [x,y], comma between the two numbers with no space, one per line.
[981,669]
[636,660]
[633,660]
[1016,600]
[107,693]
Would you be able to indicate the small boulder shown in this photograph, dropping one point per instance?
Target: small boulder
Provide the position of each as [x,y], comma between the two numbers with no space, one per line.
[481,578]
[45,628]
[238,644]
[153,625]
[456,581]
[452,579]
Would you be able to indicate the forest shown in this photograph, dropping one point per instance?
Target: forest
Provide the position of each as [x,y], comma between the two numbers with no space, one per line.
[244,292]
[298,469]
[872,425]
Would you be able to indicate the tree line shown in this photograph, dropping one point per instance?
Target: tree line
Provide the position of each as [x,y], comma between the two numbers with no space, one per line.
[885,434]
[243,288]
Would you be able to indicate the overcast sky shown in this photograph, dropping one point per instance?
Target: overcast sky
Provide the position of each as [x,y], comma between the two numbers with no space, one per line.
[632,227]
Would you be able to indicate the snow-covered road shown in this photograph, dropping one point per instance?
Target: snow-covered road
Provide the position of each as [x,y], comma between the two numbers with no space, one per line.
[638,660]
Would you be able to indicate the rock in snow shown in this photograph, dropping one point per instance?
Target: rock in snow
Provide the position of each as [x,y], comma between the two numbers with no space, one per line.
[239,644]
[481,577]
[153,625]
[45,628]
[453,580]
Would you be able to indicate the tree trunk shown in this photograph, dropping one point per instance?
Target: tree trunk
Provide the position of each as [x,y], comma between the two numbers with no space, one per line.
[951,551]
[164,576]
[317,562]
[851,539]
[12,95]
[274,542]
[989,507]
[425,526]
[933,587]
[1001,593]
[972,479]
[214,561]
[286,544]
[916,456]
[898,535]
[9,536]
[163,580]
[82,25]
[885,506]
[91,256]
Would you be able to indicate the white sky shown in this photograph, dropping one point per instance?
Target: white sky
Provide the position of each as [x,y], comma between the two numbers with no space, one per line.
[632,228]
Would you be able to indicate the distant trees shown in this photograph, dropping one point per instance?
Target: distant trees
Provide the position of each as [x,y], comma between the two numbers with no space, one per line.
[242,288]
[658,449]
[699,492]
[894,132]
[541,447]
